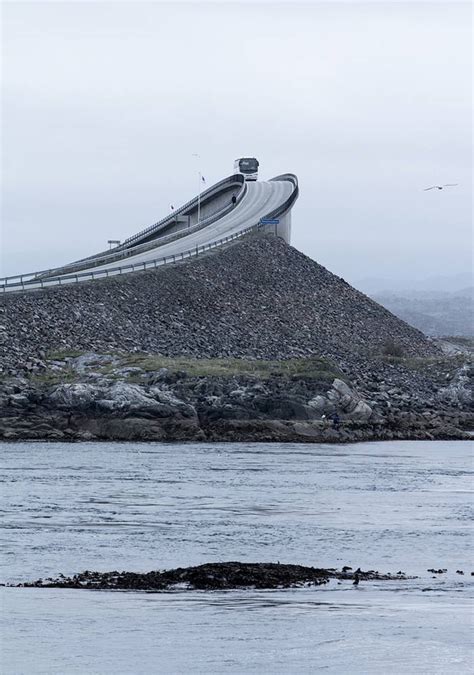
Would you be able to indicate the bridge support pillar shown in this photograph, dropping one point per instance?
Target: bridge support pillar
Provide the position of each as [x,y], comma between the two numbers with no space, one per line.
[282,229]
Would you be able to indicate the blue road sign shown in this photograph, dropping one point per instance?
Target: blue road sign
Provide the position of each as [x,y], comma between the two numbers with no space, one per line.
[269,221]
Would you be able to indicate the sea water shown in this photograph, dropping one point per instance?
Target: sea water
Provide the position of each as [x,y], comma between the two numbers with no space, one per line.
[388,506]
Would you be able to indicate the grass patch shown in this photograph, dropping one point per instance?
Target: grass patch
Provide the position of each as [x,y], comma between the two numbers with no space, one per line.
[53,377]
[308,368]
[426,364]
[312,368]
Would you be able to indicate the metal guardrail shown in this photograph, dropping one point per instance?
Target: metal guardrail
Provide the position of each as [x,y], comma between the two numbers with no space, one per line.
[235,178]
[36,282]
[64,280]
[100,258]
[95,261]
[280,210]
[128,248]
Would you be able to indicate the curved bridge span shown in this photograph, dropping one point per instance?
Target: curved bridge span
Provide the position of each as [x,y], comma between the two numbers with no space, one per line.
[228,210]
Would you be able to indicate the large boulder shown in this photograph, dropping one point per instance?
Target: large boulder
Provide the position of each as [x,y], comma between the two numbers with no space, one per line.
[459,392]
[120,398]
[349,401]
[125,397]
[77,395]
[169,401]
[362,412]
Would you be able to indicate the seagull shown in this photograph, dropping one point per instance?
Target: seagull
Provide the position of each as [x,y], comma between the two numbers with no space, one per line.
[440,187]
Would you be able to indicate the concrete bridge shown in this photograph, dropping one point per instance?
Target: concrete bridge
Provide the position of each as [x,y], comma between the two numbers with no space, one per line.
[228,210]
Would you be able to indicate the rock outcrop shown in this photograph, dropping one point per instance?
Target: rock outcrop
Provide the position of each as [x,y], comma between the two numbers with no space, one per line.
[100,397]
[213,577]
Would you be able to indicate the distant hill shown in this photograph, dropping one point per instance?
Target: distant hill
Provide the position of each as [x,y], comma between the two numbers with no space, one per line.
[403,286]
[434,312]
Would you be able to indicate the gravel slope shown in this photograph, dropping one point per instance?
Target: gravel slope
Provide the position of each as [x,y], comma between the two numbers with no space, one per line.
[259,298]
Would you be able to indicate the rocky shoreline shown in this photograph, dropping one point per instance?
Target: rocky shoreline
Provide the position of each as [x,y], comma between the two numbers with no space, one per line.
[254,343]
[213,577]
[106,397]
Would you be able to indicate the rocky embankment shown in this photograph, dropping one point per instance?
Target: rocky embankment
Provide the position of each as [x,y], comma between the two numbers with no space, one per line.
[144,397]
[253,343]
[213,577]
[259,299]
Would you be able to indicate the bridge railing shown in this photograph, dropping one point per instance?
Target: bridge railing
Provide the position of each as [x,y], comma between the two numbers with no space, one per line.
[64,280]
[230,180]
[36,282]
[288,203]
[96,261]
[120,252]
[129,248]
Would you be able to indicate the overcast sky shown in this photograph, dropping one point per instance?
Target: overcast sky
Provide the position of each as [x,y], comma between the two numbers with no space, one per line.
[103,105]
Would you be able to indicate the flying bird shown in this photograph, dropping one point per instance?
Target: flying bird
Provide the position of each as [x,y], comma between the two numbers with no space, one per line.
[440,187]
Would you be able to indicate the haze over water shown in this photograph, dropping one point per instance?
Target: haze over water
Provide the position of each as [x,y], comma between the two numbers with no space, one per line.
[386,506]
